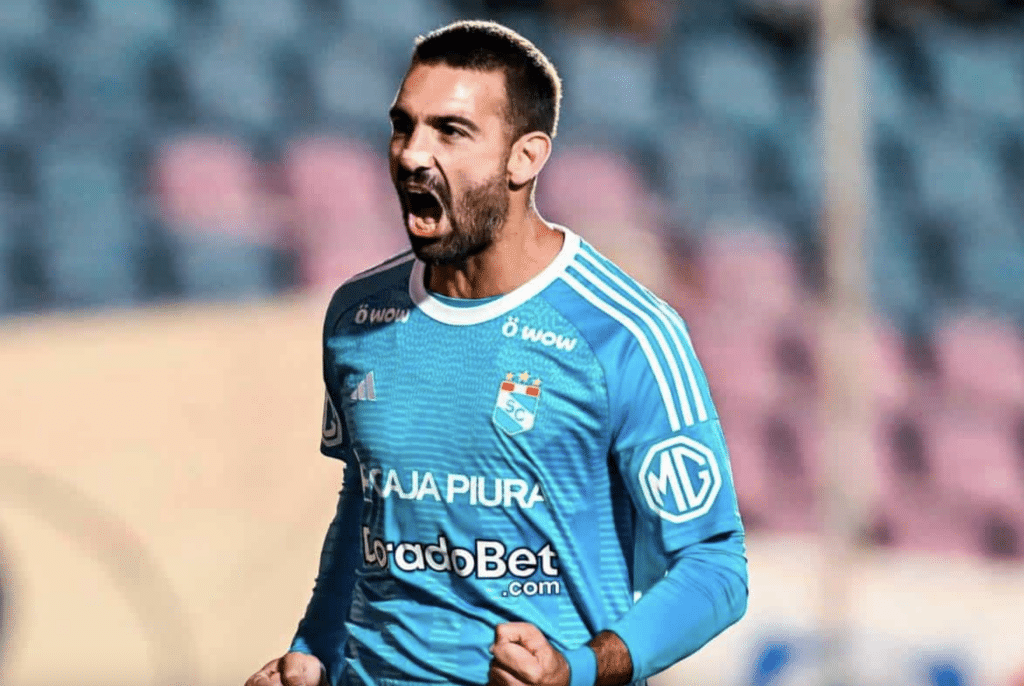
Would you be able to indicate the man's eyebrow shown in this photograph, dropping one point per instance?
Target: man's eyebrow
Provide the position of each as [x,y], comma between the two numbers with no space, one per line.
[436,120]
[439,119]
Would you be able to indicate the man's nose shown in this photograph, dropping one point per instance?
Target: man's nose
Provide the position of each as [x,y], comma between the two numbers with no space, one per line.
[416,153]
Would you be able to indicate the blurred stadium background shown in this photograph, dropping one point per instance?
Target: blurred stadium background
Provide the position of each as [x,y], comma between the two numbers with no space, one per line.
[183,182]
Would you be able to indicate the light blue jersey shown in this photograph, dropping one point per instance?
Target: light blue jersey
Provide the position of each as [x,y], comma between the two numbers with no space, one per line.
[545,456]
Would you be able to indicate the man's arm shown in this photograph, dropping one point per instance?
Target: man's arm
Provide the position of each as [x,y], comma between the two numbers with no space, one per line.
[322,631]
[703,593]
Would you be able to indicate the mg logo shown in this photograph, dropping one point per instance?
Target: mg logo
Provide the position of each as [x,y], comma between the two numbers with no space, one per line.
[680,479]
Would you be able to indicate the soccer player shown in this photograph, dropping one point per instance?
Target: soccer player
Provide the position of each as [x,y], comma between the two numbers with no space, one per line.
[536,486]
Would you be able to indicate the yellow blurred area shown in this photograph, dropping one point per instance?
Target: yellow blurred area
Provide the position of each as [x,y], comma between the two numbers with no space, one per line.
[162,499]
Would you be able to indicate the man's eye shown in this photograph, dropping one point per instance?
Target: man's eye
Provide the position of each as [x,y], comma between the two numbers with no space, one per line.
[451,131]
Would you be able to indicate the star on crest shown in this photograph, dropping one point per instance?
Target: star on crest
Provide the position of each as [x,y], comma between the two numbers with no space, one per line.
[524,376]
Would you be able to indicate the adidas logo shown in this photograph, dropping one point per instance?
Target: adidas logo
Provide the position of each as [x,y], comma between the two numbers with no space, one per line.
[365,389]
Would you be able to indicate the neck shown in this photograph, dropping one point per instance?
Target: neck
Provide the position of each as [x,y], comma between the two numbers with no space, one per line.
[523,247]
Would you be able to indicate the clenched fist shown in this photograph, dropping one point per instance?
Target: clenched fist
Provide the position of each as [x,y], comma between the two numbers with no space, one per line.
[292,669]
[524,657]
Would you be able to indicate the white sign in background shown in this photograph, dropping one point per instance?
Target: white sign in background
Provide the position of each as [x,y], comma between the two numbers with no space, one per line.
[916,621]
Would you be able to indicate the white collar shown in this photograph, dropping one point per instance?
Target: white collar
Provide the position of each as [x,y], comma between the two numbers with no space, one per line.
[466,316]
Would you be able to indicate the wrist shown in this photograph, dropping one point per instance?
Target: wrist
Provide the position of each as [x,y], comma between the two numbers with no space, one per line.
[582,663]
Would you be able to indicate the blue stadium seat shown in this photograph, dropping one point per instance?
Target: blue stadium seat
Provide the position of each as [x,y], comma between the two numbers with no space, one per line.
[356,80]
[261,19]
[958,177]
[991,269]
[216,267]
[707,174]
[734,80]
[8,244]
[610,84]
[107,79]
[890,103]
[897,288]
[395,23]
[34,78]
[88,233]
[130,21]
[979,73]
[231,82]
[12,103]
[23,21]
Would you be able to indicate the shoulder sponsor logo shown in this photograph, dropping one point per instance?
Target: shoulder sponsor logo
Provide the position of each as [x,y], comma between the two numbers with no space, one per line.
[513,329]
[680,479]
[332,433]
[370,316]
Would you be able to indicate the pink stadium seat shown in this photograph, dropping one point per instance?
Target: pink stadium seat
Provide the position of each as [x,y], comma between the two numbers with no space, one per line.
[750,472]
[587,185]
[345,209]
[791,441]
[736,353]
[981,357]
[774,455]
[927,521]
[751,269]
[601,196]
[976,458]
[756,358]
[891,378]
[914,511]
[208,184]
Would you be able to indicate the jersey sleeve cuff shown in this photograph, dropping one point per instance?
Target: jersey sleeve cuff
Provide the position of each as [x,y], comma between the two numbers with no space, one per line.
[582,666]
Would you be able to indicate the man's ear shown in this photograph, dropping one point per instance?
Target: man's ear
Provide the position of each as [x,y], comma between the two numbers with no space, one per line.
[529,154]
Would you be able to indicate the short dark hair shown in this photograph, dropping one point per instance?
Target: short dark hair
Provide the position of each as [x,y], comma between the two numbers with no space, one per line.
[532,85]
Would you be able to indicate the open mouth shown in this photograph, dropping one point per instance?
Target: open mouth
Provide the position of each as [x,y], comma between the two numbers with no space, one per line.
[424,212]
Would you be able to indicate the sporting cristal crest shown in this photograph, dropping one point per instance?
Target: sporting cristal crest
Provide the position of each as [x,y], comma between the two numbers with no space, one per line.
[516,408]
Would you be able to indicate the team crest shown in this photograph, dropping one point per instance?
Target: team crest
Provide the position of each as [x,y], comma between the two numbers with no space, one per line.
[516,408]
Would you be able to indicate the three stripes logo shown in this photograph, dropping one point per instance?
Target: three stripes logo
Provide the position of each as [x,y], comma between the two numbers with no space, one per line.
[365,390]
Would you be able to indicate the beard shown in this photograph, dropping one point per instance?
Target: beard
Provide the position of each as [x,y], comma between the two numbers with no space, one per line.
[475,219]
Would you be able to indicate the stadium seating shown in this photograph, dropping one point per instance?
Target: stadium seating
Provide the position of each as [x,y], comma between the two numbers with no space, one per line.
[266,123]
[708,176]
[262,20]
[357,79]
[23,21]
[232,83]
[395,24]
[975,456]
[970,348]
[89,238]
[223,235]
[734,80]
[339,189]
[745,267]
[979,74]
[610,85]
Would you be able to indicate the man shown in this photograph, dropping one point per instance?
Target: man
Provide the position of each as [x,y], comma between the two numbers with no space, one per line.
[536,489]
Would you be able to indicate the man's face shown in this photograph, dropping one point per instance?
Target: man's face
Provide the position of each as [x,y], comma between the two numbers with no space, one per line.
[448,157]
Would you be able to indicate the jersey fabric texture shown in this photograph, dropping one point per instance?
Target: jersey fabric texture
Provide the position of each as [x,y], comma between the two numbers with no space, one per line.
[551,456]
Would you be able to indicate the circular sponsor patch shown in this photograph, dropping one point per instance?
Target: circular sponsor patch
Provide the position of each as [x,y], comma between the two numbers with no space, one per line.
[680,479]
